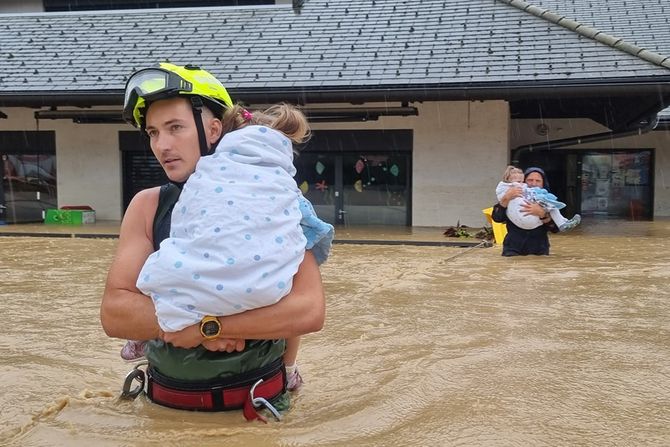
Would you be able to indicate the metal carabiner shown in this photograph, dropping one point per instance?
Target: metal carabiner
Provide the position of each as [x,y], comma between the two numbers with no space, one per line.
[135,374]
[259,402]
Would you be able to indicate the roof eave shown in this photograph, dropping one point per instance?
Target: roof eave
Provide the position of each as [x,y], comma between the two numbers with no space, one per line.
[509,91]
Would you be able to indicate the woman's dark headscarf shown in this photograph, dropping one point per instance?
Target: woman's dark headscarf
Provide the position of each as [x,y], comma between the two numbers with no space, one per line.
[540,171]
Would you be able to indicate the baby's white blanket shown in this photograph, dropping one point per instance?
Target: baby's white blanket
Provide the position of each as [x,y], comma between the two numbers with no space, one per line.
[236,238]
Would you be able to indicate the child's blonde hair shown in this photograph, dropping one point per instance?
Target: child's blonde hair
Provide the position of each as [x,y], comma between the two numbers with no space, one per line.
[283,117]
[507,175]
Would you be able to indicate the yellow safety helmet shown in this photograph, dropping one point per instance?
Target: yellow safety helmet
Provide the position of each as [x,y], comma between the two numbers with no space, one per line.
[169,81]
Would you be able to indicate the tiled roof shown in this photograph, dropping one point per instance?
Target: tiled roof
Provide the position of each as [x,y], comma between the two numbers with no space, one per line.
[645,24]
[596,33]
[328,44]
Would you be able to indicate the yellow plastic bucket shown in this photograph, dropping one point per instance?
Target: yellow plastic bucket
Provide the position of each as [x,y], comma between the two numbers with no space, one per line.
[499,229]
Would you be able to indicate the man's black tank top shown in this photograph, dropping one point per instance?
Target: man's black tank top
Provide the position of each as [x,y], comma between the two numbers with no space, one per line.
[169,193]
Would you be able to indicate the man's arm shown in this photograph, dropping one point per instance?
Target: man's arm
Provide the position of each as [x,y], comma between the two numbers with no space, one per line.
[300,312]
[125,312]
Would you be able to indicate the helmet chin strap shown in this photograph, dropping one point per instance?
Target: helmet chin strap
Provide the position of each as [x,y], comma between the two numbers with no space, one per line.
[196,104]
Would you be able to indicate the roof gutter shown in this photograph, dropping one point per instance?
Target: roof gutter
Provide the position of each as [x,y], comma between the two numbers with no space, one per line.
[591,138]
[332,114]
[460,92]
[464,92]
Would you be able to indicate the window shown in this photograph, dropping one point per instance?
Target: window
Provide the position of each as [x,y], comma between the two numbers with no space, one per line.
[28,166]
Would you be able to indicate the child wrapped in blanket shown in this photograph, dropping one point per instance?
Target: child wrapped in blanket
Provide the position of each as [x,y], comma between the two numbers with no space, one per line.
[239,229]
[513,177]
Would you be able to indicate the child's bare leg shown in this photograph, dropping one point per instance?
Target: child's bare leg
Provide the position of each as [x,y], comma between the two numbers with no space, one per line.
[293,378]
[291,353]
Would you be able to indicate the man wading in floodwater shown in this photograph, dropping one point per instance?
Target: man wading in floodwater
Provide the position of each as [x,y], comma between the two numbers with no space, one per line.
[187,370]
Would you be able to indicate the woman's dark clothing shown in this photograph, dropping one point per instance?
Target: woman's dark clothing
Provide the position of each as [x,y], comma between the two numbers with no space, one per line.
[523,242]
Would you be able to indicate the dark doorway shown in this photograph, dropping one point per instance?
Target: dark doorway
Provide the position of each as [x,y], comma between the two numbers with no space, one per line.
[140,168]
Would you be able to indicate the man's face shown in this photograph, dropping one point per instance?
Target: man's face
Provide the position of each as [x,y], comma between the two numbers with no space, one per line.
[535,179]
[173,137]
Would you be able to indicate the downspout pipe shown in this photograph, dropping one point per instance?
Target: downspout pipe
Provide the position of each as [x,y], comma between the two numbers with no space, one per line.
[583,139]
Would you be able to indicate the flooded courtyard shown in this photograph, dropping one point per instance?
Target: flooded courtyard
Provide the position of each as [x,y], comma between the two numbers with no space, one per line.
[423,345]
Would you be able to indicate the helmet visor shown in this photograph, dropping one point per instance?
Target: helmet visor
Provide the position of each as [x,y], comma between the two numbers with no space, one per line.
[148,85]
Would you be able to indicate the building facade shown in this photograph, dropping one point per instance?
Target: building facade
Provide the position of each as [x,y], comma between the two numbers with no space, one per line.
[416,107]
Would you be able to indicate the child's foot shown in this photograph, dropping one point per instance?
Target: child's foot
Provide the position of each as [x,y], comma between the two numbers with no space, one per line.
[570,224]
[293,378]
[133,350]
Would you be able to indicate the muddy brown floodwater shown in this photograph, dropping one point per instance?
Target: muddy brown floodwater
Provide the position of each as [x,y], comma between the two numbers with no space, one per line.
[422,346]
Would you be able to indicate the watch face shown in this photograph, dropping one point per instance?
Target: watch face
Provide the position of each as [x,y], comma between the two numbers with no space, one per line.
[210,328]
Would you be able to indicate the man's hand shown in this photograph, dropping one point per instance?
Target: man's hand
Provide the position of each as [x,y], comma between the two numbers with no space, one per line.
[189,337]
[224,344]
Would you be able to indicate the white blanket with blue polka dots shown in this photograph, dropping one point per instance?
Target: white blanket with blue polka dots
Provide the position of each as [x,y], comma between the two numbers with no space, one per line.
[238,234]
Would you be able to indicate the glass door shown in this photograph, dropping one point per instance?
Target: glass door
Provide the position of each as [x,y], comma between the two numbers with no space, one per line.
[358,177]
[316,179]
[356,189]
[617,184]
[375,189]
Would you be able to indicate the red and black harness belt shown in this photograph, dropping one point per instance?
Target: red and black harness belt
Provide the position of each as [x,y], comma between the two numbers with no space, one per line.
[222,395]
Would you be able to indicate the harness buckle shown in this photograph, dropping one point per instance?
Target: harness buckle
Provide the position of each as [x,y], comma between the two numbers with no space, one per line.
[136,374]
[259,402]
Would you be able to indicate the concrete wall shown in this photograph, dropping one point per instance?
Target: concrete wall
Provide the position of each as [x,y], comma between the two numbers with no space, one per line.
[14,6]
[88,161]
[460,150]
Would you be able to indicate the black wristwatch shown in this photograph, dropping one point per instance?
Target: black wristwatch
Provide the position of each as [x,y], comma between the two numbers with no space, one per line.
[210,327]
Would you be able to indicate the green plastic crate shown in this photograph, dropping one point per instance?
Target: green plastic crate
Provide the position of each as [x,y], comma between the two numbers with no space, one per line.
[69,217]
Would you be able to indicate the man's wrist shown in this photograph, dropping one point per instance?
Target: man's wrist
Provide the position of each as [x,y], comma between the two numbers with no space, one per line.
[210,327]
